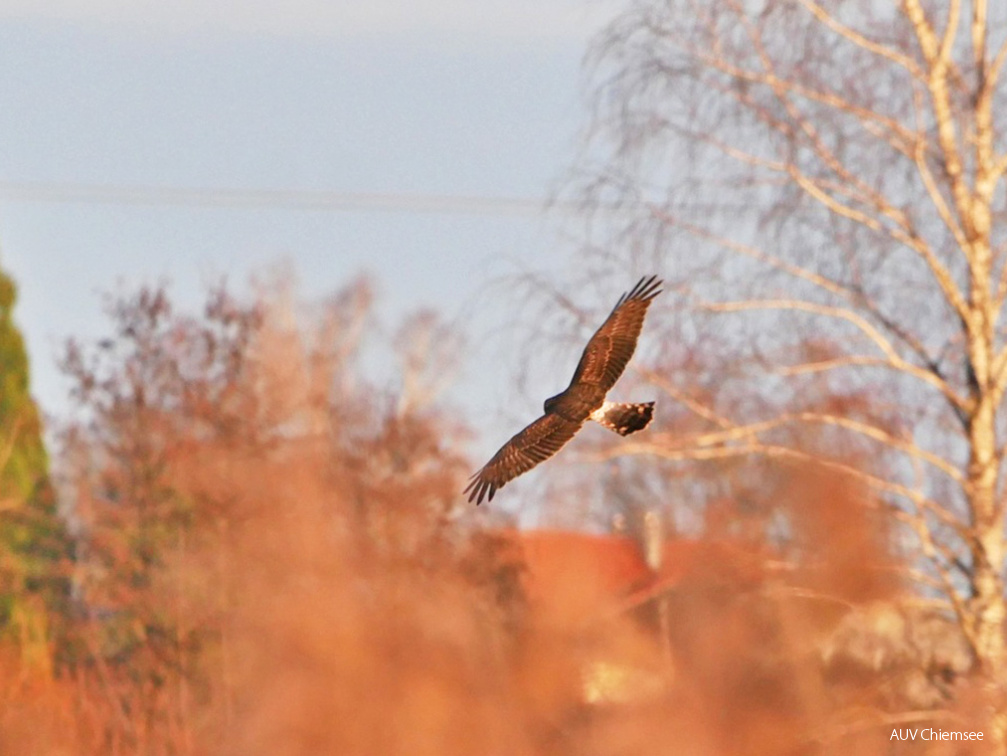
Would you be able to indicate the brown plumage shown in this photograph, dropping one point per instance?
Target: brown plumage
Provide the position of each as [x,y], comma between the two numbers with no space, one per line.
[604,359]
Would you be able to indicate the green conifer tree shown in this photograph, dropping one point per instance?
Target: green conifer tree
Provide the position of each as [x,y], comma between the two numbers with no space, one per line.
[34,543]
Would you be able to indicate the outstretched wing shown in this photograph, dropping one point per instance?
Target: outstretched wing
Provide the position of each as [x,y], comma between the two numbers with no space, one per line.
[534,444]
[609,350]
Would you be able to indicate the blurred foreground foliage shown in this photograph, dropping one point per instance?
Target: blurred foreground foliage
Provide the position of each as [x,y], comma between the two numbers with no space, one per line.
[271,557]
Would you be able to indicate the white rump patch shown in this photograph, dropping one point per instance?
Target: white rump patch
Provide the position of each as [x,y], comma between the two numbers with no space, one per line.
[599,414]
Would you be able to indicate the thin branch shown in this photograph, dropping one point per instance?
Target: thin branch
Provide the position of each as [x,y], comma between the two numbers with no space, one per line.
[950,222]
[902,335]
[894,360]
[861,41]
[816,279]
[931,548]
[937,55]
[693,405]
[898,137]
[774,451]
[747,431]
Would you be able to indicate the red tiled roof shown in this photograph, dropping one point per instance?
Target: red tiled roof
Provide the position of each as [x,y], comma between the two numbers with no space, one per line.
[567,567]
[590,567]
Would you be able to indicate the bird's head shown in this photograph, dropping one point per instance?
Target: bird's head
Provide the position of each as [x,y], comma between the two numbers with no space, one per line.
[551,402]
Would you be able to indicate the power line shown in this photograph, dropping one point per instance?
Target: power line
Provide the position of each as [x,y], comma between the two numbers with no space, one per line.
[289,199]
[320,200]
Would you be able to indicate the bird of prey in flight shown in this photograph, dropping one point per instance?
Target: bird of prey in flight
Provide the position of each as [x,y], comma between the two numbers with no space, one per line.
[604,359]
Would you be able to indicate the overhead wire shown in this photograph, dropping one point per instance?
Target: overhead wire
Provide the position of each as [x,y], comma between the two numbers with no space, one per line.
[326,200]
[292,199]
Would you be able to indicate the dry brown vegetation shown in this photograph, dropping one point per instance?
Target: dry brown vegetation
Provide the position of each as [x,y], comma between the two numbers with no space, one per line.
[271,556]
[269,562]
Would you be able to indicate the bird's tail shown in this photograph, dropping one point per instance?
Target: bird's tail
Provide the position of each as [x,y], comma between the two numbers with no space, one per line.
[624,418]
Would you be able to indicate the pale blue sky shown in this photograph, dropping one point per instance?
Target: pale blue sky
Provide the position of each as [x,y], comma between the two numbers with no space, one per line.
[392,97]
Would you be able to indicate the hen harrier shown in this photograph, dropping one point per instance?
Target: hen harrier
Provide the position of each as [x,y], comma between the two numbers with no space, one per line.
[604,359]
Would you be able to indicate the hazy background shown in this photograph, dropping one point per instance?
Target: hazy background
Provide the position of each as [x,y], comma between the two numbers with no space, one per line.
[413,141]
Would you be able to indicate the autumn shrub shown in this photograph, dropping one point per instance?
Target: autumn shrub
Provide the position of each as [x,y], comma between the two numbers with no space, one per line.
[272,557]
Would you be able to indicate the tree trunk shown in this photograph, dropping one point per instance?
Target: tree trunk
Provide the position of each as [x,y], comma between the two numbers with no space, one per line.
[987,545]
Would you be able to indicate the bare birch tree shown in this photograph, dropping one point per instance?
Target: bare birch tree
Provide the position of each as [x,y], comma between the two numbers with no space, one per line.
[826,178]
